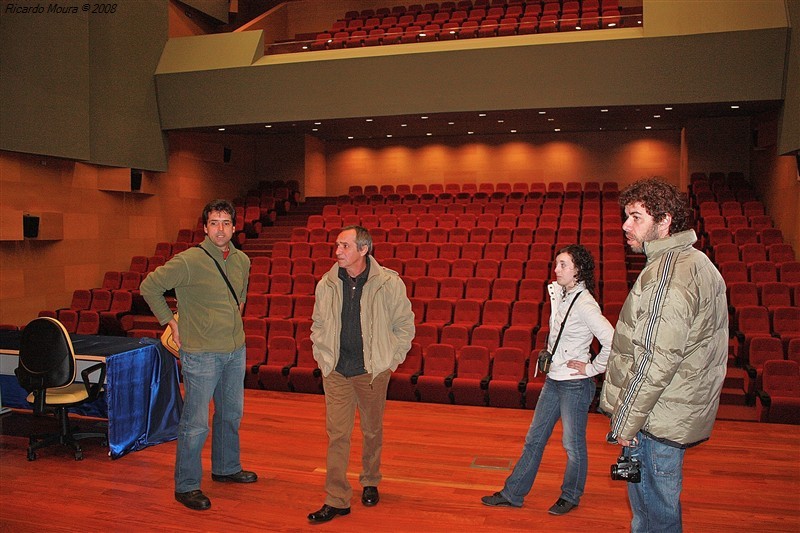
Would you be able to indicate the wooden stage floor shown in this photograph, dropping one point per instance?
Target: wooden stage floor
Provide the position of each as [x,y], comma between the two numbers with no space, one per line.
[438,460]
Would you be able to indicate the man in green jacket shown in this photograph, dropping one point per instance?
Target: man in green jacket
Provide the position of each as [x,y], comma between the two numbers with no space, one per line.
[362,327]
[212,349]
[669,353]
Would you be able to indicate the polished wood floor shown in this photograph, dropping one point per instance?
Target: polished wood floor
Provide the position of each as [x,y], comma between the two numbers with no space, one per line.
[438,460]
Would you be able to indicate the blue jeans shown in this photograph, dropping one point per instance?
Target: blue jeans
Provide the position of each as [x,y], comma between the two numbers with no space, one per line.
[656,502]
[568,400]
[208,375]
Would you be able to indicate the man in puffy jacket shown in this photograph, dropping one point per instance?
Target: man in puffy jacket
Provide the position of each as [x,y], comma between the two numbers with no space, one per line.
[669,353]
[362,327]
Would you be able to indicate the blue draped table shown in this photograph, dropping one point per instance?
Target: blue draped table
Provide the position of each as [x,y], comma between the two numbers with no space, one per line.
[142,399]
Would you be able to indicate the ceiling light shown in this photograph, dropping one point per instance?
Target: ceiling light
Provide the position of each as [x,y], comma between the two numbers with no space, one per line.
[314,129]
[648,127]
[513,131]
[550,119]
[221,129]
[389,135]
[268,126]
[604,110]
[734,107]
[403,125]
[500,121]
[318,123]
[481,114]
[656,116]
[369,120]
[424,118]
[429,134]
[668,109]
[557,129]
[350,137]
[451,123]
[542,112]
[470,132]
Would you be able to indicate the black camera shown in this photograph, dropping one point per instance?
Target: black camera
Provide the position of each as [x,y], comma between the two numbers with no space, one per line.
[627,468]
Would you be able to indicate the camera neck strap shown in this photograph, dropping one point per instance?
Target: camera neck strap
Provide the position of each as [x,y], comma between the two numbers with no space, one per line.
[561,329]
[222,273]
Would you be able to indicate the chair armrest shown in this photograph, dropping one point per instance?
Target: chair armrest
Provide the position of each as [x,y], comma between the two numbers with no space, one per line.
[766,401]
[415,377]
[522,385]
[485,383]
[316,372]
[751,371]
[254,368]
[93,389]
[285,370]
[448,380]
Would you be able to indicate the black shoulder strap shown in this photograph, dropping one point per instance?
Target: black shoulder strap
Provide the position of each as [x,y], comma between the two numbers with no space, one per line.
[222,273]
[561,329]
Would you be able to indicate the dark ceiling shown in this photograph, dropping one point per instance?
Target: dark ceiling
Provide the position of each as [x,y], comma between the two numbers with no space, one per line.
[507,122]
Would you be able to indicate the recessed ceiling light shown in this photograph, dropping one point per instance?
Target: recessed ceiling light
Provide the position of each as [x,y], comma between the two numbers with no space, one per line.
[734,107]
[513,131]
[318,123]
[481,114]
[604,110]
[389,135]
[648,127]
[451,123]
[500,121]
[369,120]
[268,126]
[668,109]
[403,125]
[550,119]
[424,118]
[542,112]
[429,134]
[314,129]
[557,129]
[656,116]
[350,137]
[221,129]
[470,132]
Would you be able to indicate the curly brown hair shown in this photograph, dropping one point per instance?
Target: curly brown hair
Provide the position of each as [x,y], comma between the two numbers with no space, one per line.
[659,199]
[584,264]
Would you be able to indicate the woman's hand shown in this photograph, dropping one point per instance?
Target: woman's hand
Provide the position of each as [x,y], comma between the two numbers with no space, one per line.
[580,366]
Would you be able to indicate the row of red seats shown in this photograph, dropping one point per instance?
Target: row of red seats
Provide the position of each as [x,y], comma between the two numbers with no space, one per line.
[464,235]
[455,215]
[605,198]
[758,321]
[531,211]
[433,7]
[428,251]
[760,271]
[750,253]
[484,187]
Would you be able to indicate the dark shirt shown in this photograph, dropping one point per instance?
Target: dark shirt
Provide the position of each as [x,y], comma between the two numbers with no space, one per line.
[351,343]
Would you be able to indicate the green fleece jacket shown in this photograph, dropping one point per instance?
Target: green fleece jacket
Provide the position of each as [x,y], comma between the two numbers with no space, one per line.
[210,320]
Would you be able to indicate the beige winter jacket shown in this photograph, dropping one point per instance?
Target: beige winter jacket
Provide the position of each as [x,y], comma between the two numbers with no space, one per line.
[669,353]
[387,322]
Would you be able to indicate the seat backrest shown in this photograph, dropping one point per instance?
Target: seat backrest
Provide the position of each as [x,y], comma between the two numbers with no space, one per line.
[46,356]
[509,364]
[782,378]
[473,362]
[440,360]
[281,351]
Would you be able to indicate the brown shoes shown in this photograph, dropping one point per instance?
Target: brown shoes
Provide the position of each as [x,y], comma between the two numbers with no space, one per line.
[327,513]
[194,499]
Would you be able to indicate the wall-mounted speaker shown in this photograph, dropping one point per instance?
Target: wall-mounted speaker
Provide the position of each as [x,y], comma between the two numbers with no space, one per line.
[30,226]
[136,179]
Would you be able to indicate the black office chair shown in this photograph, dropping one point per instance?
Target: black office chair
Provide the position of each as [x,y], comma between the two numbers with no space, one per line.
[47,370]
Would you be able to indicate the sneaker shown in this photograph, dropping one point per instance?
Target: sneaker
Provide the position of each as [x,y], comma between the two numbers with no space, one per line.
[497,500]
[562,506]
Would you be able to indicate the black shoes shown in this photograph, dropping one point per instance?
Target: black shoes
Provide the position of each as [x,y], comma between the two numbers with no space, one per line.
[327,513]
[497,500]
[562,506]
[194,499]
[242,476]
[370,496]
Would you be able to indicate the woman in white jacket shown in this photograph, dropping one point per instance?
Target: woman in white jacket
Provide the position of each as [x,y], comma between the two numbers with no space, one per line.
[569,388]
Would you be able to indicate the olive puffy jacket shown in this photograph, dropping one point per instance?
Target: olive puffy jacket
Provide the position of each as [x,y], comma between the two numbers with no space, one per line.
[669,353]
